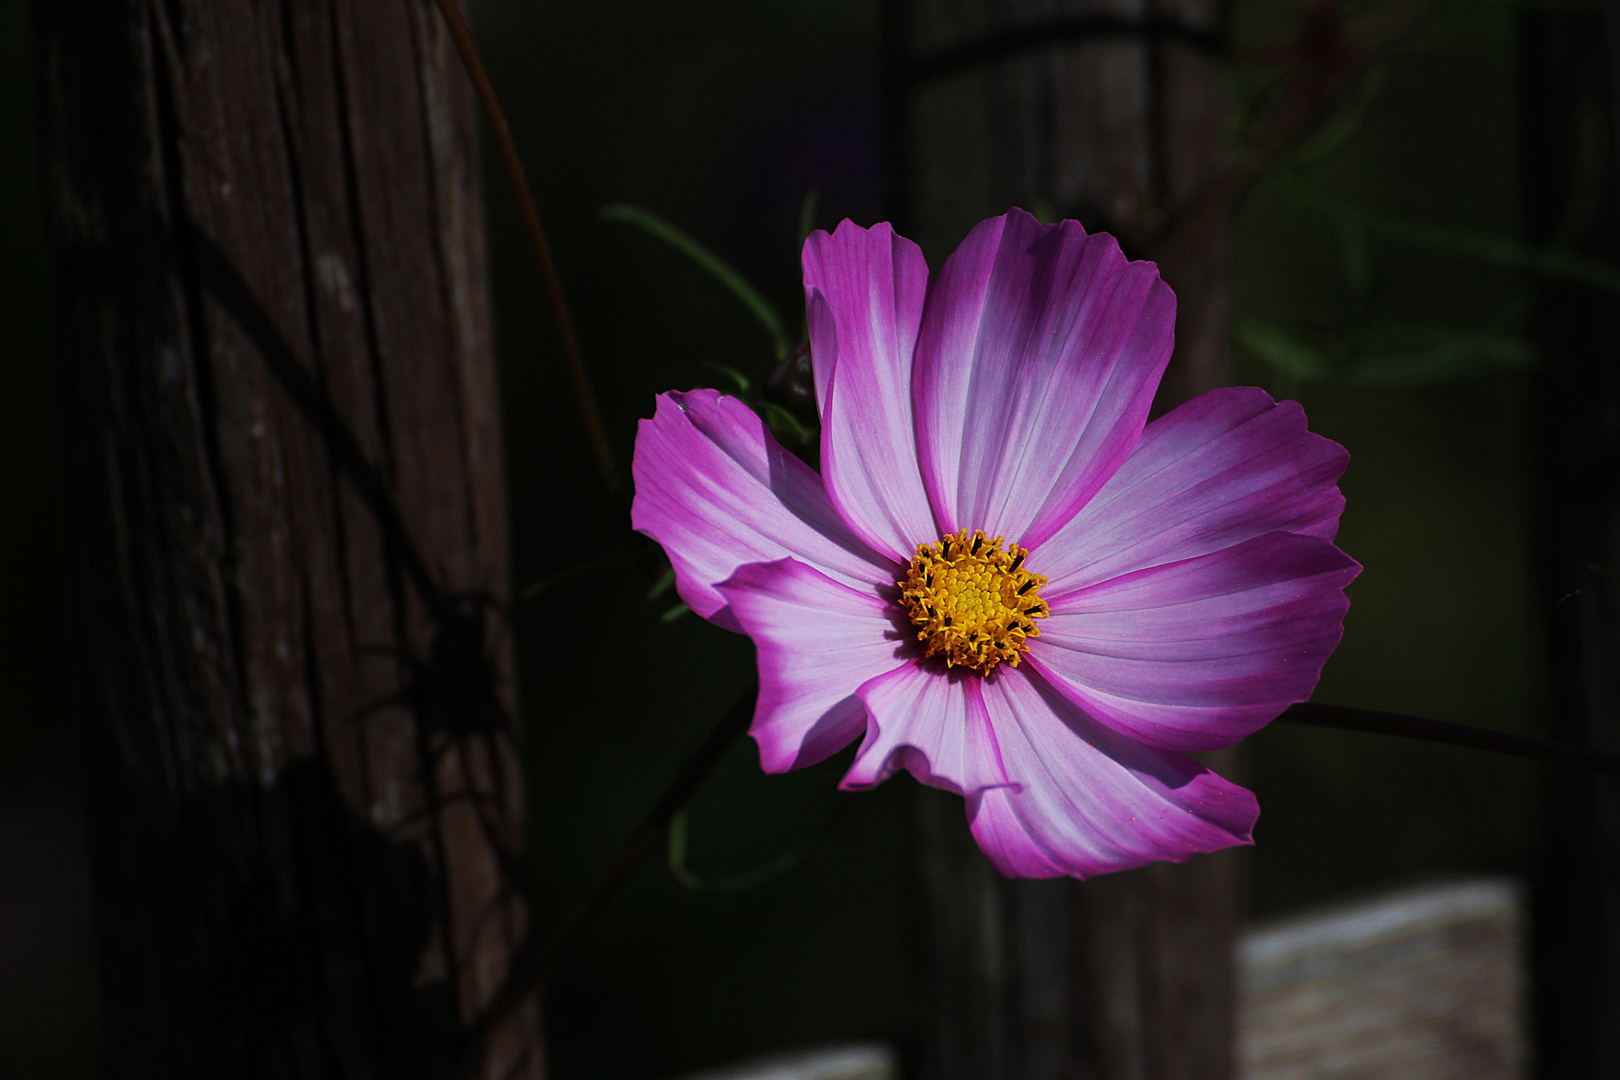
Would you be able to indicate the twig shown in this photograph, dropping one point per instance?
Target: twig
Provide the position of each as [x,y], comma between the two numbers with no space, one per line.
[1418,727]
[1326,65]
[539,956]
[595,434]
[1031,37]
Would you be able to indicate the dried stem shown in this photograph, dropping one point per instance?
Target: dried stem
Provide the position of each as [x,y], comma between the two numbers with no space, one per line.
[595,434]
[1325,68]
[1418,727]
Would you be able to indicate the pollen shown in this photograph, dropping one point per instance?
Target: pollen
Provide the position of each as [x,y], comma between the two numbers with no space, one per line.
[973,602]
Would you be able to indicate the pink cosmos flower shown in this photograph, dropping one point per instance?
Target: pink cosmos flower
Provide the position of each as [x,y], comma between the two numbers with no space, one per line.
[1004,580]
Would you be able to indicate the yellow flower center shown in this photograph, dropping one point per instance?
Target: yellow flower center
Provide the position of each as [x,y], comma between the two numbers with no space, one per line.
[972,601]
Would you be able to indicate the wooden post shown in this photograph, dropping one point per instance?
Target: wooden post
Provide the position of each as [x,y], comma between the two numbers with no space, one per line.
[1570,60]
[288,535]
[1112,113]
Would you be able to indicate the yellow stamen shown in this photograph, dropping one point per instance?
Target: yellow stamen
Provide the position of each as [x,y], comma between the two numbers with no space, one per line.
[972,601]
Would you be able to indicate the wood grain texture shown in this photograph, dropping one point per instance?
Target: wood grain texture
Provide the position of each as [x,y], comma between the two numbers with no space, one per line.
[1116,120]
[288,533]
[1126,975]
[1423,984]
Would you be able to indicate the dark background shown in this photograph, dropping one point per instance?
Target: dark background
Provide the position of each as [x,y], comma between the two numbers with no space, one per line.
[1351,291]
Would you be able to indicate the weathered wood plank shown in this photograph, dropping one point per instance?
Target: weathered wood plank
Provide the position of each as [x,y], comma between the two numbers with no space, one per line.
[854,1061]
[288,531]
[1426,983]
[1423,984]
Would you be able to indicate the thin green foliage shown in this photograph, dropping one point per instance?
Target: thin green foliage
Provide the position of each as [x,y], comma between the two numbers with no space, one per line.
[742,382]
[783,424]
[807,214]
[774,867]
[1390,355]
[1502,251]
[578,570]
[665,582]
[708,260]
[1346,121]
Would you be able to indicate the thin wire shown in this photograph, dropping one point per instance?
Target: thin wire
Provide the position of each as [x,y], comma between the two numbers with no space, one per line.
[584,398]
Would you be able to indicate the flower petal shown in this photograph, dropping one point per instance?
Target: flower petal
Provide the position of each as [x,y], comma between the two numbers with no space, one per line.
[817,641]
[1225,467]
[718,492]
[1039,354]
[864,291]
[1196,654]
[1089,800]
[930,722]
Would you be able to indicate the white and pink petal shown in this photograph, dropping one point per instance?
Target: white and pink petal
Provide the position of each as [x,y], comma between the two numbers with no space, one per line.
[1088,800]
[930,722]
[717,491]
[1039,354]
[816,641]
[864,293]
[1197,654]
[1224,468]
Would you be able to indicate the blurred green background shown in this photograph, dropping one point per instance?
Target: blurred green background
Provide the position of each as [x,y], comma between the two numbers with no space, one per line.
[720,115]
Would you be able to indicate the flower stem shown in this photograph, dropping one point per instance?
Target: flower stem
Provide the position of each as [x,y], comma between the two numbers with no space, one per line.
[584,398]
[538,957]
[1418,727]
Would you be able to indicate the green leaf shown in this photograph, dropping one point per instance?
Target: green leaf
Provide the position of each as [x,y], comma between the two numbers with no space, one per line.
[1501,251]
[708,260]
[753,878]
[665,582]
[674,613]
[1282,350]
[807,214]
[783,424]
[731,373]
[1453,356]
[1393,355]
[1353,251]
[1345,120]
[535,588]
